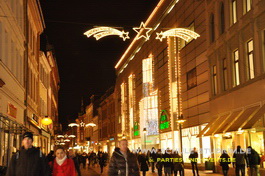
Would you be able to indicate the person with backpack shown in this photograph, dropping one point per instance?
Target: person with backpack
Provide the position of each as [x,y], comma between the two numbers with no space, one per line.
[61,165]
[28,161]
[253,161]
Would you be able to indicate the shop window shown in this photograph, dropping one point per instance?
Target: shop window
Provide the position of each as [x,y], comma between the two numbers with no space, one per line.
[191,79]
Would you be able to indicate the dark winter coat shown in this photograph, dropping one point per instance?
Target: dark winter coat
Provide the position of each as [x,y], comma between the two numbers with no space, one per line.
[29,162]
[225,161]
[194,157]
[119,164]
[253,158]
[178,162]
[142,160]
[167,162]
[239,158]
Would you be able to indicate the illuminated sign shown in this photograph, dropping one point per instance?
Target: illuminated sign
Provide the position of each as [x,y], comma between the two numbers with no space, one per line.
[136,129]
[182,33]
[164,123]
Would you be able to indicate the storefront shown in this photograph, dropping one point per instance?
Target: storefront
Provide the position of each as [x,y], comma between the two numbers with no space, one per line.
[10,137]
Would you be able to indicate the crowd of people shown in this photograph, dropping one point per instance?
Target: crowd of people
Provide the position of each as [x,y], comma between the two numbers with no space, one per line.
[30,161]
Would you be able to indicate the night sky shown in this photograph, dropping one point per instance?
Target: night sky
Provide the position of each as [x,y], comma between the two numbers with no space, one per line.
[86,66]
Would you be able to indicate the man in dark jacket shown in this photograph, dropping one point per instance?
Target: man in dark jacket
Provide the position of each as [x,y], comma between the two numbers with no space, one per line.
[194,159]
[253,161]
[28,161]
[123,162]
[239,160]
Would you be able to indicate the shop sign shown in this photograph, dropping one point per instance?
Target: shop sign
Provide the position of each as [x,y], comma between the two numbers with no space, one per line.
[12,110]
[111,139]
[136,129]
[164,123]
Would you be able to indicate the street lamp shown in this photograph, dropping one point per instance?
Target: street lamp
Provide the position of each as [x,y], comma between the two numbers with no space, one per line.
[144,131]
[180,121]
[46,121]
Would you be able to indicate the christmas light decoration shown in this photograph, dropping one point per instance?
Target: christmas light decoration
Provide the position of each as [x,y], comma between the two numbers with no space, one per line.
[146,35]
[182,33]
[101,32]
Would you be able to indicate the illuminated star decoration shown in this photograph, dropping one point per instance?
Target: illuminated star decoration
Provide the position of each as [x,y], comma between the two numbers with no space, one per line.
[182,33]
[146,34]
[159,36]
[101,32]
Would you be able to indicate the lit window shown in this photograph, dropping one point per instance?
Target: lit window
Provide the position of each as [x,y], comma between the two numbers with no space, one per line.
[250,57]
[225,75]
[214,75]
[247,5]
[234,12]
[191,79]
[236,68]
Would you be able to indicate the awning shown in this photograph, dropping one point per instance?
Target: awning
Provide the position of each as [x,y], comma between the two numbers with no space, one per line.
[206,128]
[216,124]
[254,118]
[237,123]
[228,121]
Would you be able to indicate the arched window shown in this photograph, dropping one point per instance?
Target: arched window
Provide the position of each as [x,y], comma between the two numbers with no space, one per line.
[222,18]
[212,36]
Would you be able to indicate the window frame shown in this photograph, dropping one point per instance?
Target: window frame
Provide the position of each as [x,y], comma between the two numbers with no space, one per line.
[188,80]
[251,71]
[236,68]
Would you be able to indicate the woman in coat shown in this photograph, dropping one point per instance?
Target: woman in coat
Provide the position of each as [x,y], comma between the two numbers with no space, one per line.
[224,162]
[61,165]
[143,163]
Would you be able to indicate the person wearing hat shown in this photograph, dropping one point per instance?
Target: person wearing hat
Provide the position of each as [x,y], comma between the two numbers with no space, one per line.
[28,161]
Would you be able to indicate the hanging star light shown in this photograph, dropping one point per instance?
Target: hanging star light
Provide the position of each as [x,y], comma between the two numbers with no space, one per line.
[101,32]
[182,33]
[146,35]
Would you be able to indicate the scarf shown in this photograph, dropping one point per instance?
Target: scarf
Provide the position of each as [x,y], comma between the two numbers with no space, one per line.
[61,161]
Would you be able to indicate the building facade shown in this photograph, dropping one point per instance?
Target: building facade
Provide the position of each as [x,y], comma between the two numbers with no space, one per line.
[159,82]
[26,92]
[12,86]
[106,122]
[215,82]
[236,57]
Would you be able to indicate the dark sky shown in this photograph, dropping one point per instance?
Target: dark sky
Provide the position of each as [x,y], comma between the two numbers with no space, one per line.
[86,66]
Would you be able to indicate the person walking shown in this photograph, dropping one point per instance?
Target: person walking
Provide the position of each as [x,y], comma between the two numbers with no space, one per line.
[28,161]
[225,160]
[159,164]
[143,162]
[61,165]
[239,161]
[194,159]
[253,161]
[73,156]
[84,158]
[168,163]
[153,159]
[123,162]
[178,164]
[102,161]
